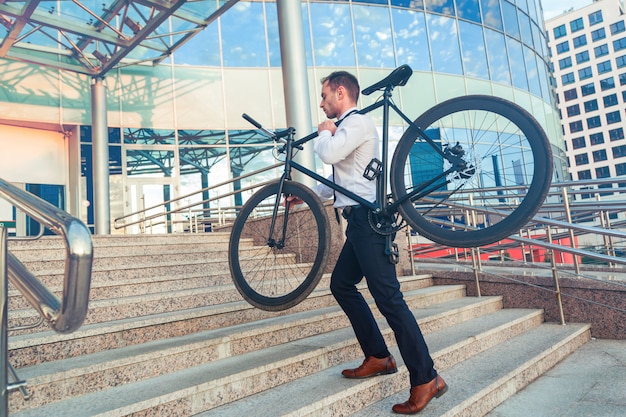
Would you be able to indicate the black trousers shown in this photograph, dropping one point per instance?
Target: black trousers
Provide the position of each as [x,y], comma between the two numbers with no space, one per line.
[363,255]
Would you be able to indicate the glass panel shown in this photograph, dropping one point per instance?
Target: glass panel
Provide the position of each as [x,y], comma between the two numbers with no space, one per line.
[373,37]
[468,9]
[516,55]
[248,137]
[332,35]
[491,13]
[473,47]
[202,49]
[201,137]
[411,39]
[273,38]
[202,167]
[531,71]
[246,159]
[527,36]
[511,27]
[444,40]
[149,137]
[413,4]
[249,50]
[440,6]
[308,46]
[496,53]
[150,163]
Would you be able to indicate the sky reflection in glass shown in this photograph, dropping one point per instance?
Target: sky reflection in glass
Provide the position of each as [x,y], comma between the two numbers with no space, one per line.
[374,44]
[444,40]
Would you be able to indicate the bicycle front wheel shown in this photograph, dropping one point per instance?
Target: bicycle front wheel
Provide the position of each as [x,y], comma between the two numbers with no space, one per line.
[276,269]
[499,176]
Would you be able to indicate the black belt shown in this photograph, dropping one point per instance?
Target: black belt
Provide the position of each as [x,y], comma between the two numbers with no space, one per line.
[345,212]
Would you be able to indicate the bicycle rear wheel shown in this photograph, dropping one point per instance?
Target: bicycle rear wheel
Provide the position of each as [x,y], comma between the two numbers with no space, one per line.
[276,272]
[502,181]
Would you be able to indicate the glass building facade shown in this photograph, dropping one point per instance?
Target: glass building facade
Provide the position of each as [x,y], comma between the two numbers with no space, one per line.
[177,127]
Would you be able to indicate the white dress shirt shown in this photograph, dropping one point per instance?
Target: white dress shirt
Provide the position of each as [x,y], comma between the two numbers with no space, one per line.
[349,150]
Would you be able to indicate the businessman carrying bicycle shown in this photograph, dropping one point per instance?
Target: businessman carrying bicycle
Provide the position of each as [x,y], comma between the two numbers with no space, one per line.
[349,146]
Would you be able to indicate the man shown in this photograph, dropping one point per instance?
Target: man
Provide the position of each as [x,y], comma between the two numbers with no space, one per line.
[350,147]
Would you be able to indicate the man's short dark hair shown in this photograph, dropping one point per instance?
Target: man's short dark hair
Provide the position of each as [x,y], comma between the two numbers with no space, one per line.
[345,79]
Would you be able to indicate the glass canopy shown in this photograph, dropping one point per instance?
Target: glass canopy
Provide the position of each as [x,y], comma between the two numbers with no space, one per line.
[94,36]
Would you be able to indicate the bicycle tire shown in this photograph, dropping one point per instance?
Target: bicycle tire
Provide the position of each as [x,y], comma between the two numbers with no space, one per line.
[504,146]
[275,276]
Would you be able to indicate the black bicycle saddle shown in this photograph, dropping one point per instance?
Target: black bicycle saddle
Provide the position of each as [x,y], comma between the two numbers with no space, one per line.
[398,77]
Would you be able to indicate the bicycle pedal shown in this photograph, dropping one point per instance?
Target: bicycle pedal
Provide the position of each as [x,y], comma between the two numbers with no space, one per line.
[394,255]
[373,169]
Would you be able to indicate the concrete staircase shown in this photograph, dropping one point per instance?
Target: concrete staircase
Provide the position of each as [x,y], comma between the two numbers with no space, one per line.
[167,334]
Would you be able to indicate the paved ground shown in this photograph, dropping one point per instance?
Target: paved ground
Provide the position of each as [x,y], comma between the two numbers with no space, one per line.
[591,382]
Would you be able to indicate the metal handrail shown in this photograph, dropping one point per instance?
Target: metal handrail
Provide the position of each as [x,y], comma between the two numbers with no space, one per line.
[65,315]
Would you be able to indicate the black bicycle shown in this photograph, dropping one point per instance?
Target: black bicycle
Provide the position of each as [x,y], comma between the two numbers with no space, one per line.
[469,172]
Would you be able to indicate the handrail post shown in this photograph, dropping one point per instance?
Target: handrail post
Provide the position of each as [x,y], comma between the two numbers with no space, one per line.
[411,255]
[555,275]
[4,353]
[568,217]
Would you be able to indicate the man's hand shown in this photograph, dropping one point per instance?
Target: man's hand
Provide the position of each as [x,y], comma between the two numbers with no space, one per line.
[327,125]
[292,200]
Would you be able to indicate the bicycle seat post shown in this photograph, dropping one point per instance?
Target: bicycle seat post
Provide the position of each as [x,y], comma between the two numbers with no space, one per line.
[381,194]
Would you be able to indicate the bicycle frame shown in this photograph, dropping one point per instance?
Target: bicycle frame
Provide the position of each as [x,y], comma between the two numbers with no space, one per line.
[381,205]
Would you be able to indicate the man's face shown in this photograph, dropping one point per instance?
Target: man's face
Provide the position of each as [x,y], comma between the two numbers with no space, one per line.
[329,103]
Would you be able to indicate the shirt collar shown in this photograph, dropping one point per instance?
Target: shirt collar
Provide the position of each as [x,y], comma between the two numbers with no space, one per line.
[348,113]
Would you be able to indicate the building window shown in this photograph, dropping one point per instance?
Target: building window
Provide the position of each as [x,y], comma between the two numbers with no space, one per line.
[616,27]
[619,151]
[573,110]
[591,105]
[579,41]
[596,35]
[570,94]
[581,159]
[622,79]
[567,78]
[585,73]
[593,122]
[620,62]
[596,138]
[620,169]
[584,175]
[619,44]
[601,50]
[588,89]
[578,143]
[582,57]
[613,117]
[565,63]
[559,31]
[576,25]
[604,67]
[576,126]
[595,18]
[610,100]
[607,84]
[616,134]
[563,47]
[599,156]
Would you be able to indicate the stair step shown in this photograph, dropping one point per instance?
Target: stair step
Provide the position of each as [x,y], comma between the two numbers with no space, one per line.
[39,347]
[209,385]
[479,385]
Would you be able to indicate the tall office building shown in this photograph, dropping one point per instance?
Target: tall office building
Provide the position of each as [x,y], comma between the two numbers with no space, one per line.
[588,50]
[174,120]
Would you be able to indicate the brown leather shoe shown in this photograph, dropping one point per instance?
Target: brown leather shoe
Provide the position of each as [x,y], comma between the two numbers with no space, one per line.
[421,396]
[372,366]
